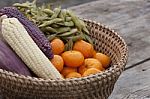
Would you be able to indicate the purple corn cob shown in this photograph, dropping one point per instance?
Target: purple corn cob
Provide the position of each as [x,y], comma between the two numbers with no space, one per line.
[35,33]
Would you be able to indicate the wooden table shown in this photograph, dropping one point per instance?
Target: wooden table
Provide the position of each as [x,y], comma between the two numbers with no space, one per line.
[131,18]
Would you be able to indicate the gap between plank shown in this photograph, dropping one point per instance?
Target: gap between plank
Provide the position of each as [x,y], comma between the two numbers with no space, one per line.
[138,63]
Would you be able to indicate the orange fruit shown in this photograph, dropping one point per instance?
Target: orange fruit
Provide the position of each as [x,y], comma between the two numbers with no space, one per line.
[93,63]
[67,70]
[84,47]
[104,59]
[90,63]
[94,52]
[57,46]
[73,75]
[90,71]
[82,69]
[58,62]
[73,58]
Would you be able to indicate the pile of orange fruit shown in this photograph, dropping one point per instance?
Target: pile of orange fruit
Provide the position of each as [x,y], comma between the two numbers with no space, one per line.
[81,61]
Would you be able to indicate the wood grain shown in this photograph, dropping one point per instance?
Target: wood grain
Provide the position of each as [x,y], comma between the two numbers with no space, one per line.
[133,83]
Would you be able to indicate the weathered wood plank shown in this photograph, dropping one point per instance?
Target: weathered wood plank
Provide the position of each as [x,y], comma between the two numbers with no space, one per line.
[131,18]
[133,83]
[63,3]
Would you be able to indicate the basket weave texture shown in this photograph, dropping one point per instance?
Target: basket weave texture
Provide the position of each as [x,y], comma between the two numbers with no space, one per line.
[98,86]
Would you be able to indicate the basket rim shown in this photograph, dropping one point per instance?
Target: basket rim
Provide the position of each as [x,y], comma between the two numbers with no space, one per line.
[107,71]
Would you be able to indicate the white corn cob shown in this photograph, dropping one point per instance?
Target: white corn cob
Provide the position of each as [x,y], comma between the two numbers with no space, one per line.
[20,41]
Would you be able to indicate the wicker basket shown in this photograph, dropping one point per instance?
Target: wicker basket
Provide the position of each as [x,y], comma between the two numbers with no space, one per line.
[98,86]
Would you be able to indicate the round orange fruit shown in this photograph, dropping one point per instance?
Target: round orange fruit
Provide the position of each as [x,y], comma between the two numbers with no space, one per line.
[73,58]
[90,71]
[93,63]
[94,53]
[82,69]
[58,62]
[90,63]
[84,47]
[104,59]
[73,75]
[67,70]
[57,46]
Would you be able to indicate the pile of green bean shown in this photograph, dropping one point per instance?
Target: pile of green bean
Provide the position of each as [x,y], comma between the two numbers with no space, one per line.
[56,23]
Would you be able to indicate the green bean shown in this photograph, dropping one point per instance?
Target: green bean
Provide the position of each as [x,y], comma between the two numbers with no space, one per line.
[68,19]
[60,23]
[64,12]
[33,12]
[46,33]
[42,18]
[86,30]
[75,38]
[78,23]
[68,33]
[82,35]
[63,29]
[88,39]
[70,44]
[66,47]
[61,15]
[82,23]
[76,20]
[48,12]
[51,37]
[56,13]
[84,27]
[23,10]
[23,5]
[70,24]
[50,29]
[55,26]
[47,23]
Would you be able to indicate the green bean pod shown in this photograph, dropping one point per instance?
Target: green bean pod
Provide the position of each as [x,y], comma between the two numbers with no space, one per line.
[75,38]
[66,46]
[47,23]
[76,20]
[70,44]
[61,15]
[63,29]
[88,39]
[50,29]
[23,5]
[69,24]
[56,13]
[55,25]
[42,18]
[84,27]
[51,37]
[68,33]
[64,12]
[68,19]
[82,35]
[47,33]
[48,12]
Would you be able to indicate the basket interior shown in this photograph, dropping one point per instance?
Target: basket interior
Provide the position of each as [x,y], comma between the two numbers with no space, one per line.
[108,42]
